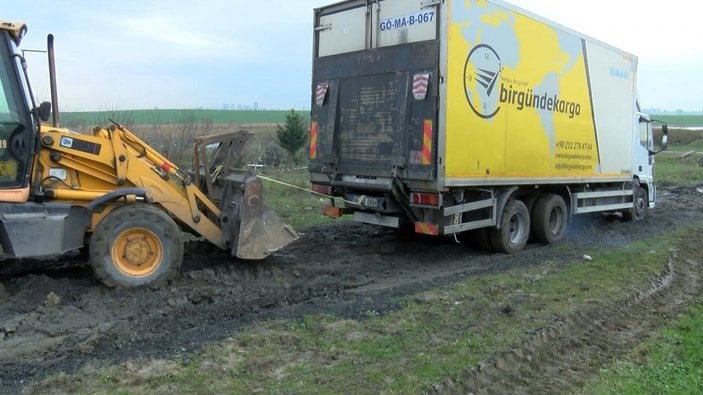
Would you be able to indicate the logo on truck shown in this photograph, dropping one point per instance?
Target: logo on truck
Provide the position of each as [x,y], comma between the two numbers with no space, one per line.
[485,93]
[481,74]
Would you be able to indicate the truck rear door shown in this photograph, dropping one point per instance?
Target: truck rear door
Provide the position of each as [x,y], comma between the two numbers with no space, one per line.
[375,88]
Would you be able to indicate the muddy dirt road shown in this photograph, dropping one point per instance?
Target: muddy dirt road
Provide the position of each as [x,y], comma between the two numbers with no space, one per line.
[61,320]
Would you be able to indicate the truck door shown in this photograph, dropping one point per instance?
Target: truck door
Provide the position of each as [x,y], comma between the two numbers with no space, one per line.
[16,127]
[375,89]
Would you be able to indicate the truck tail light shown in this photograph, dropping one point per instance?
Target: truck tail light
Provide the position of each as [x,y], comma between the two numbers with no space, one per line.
[425,199]
[323,189]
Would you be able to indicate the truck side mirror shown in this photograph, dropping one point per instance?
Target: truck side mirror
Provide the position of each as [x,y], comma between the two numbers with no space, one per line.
[660,142]
[665,135]
[44,111]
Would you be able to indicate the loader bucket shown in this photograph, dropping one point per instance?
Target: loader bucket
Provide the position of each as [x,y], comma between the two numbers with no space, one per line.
[261,230]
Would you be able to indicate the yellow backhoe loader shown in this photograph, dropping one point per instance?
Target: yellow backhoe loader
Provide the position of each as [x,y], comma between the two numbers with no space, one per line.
[111,192]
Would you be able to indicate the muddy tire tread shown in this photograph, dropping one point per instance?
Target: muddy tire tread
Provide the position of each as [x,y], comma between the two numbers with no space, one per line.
[142,215]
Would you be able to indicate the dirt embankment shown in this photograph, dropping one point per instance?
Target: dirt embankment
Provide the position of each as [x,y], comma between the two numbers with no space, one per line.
[61,320]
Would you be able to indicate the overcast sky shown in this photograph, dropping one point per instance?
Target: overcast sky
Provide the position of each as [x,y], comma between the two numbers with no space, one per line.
[131,54]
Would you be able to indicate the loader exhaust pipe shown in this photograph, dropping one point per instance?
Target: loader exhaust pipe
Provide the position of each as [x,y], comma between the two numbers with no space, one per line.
[52,80]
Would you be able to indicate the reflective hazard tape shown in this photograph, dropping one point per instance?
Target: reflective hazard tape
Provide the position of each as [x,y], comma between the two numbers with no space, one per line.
[427,142]
[313,140]
[426,228]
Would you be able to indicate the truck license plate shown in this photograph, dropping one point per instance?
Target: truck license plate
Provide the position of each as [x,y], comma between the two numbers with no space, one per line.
[371,202]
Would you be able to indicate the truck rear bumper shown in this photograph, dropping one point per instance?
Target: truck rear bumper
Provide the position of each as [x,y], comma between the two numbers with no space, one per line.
[377,219]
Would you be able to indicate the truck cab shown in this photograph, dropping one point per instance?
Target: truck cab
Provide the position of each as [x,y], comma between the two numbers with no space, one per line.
[653,138]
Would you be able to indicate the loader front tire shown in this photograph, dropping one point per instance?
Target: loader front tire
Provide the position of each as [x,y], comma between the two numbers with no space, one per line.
[136,245]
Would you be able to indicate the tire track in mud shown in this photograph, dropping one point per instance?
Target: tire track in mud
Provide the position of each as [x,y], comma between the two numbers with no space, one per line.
[60,320]
[56,321]
[560,359]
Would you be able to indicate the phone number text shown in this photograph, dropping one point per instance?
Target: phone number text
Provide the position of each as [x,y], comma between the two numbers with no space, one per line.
[575,145]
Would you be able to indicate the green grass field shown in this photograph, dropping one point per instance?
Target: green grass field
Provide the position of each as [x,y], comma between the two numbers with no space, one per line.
[680,120]
[671,362]
[173,116]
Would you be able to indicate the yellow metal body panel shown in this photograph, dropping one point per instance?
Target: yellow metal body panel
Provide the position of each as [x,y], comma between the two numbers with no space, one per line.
[79,168]
[16,29]
[518,100]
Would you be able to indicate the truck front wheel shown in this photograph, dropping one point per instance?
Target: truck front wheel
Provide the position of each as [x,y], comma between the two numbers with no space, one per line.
[514,228]
[136,245]
[549,218]
[640,205]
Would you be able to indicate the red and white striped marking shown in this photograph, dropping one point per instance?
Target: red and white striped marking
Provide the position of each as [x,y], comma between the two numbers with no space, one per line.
[321,93]
[421,83]
[427,142]
[313,140]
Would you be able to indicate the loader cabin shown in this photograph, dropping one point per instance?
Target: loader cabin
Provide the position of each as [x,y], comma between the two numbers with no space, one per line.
[17,126]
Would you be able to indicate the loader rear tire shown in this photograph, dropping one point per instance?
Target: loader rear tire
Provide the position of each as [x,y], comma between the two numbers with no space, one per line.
[514,228]
[136,245]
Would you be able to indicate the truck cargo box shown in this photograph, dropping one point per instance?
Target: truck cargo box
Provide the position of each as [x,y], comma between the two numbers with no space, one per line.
[468,93]
[443,112]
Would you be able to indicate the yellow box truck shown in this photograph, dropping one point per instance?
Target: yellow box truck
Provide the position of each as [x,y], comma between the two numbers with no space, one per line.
[451,116]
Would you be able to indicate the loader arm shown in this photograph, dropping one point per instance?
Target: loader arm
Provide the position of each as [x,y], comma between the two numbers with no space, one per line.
[76,167]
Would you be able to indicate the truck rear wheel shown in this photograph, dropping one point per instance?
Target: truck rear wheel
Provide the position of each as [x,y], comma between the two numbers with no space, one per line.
[514,228]
[549,218]
[638,212]
[136,245]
